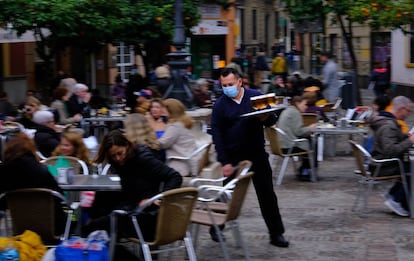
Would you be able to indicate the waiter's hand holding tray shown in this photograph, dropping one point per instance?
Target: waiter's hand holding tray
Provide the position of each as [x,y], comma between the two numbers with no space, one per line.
[263,104]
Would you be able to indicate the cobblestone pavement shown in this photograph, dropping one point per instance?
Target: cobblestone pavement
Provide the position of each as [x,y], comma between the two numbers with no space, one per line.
[319,221]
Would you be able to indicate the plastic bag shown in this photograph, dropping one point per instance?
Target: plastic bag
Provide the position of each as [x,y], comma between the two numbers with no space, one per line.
[82,249]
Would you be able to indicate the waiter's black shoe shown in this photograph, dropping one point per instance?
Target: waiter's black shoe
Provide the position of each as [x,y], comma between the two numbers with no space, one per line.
[279,241]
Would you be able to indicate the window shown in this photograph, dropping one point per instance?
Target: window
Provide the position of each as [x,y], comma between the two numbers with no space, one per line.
[254,22]
[411,48]
[125,59]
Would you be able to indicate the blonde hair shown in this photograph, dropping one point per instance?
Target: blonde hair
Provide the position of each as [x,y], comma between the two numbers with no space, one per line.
[138,131]
[74,138]
[176,111]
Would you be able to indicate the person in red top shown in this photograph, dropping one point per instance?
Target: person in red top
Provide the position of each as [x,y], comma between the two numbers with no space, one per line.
[381,79]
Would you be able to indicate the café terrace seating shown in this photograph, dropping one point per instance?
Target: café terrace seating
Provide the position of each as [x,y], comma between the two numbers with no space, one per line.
[174,217]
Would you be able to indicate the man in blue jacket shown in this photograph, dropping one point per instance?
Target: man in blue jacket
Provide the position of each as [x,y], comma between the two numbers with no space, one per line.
[239,138]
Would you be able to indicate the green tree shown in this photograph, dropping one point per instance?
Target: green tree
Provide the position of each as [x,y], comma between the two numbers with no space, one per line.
[90,24]
[384,14]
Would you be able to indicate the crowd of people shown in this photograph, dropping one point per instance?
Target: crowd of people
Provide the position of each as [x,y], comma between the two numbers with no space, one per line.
[159,129]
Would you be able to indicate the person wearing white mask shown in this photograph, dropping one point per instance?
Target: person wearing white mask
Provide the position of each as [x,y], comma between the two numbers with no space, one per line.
[239,138]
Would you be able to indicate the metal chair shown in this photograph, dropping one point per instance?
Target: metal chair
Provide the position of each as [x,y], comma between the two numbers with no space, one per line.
[39,210]
[363,158]
[79,165]
[309,118]
[173,219]
[196,160]
[241,169]
[272,134]
[208,214]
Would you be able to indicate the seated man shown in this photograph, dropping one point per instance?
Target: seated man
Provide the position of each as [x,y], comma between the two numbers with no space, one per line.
[391,142]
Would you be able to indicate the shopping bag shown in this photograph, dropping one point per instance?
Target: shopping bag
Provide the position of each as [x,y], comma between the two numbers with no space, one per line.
[93,248]
[82,249]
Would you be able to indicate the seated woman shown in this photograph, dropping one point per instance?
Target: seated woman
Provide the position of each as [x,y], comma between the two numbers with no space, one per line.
[178,140]
[311,106]
[71,144]
[291,122]
[156,118]
[142,176]
[22,169]
[138,131]
[61,95]
[31,105]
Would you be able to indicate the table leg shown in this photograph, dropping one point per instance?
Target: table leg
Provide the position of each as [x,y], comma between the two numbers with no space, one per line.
[320,147]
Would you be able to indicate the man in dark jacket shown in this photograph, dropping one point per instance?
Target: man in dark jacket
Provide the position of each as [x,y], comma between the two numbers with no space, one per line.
[238,138]
[390,142]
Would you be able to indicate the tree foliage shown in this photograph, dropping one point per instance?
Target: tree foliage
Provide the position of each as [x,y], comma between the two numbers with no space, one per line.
[90,22]
[384,13]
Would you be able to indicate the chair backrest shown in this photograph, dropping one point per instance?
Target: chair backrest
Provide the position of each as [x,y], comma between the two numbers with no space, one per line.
[106,168]
[238,196]
[309,118]
[174,215]
[273,137]
[338,102]
[13,124]
[34,209]
[204,158]
[361,155]
[79,165]
[242,168]
[328,107]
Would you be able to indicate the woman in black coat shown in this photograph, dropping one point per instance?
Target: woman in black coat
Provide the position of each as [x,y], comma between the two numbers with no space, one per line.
[142,177]
[21,169]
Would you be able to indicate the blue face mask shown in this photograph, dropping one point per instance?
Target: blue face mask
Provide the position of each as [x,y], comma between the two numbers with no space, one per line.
[231,91]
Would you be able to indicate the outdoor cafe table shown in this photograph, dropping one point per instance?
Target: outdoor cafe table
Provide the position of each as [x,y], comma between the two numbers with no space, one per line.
[101,122]
[93,183]
[322,131]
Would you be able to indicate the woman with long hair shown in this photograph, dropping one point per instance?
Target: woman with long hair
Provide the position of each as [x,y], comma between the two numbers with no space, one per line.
[71,144]
[21,167]
[61,95]
[138,131]
[142,176]
[178,140]
[291,122]
[156,118]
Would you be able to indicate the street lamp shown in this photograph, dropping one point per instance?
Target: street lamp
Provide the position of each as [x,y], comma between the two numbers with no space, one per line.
[179,88]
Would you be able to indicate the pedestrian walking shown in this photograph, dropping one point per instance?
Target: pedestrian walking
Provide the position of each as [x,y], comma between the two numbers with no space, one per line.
[330,77]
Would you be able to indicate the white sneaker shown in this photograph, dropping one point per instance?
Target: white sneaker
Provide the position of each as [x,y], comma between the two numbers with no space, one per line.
[396,208]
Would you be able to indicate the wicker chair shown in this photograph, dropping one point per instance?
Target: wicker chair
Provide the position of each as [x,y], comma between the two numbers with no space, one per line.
[272,134]
[207,212]
[173,219]
[36,209]
[79,165]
